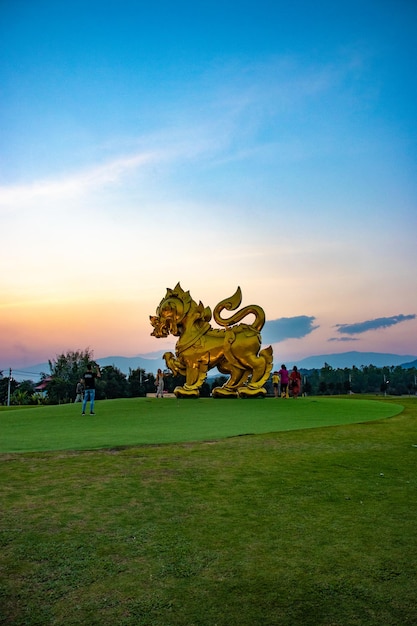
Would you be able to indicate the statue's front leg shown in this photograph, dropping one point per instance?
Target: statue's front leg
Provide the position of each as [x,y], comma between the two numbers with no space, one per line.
[196,372]
[176,366]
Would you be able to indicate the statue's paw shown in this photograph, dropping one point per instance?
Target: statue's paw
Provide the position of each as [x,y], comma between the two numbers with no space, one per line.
[183,392]
[248,392]
[224,392]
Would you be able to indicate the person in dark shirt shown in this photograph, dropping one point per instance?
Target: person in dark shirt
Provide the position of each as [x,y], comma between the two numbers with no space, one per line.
[90,387]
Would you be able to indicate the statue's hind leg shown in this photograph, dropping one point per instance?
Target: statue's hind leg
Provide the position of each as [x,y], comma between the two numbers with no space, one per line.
[261,369]
[238,377]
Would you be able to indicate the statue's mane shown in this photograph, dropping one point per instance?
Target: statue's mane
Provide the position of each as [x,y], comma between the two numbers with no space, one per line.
[188,303]
[178,292]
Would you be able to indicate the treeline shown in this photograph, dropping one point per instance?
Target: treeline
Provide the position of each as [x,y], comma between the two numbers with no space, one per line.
[58,387]
[393,380]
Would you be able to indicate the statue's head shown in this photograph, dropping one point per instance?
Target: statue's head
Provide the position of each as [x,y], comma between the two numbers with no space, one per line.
[170,313]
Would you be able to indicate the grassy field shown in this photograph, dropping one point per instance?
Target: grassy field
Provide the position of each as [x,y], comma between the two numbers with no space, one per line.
[139,421]
[312,526]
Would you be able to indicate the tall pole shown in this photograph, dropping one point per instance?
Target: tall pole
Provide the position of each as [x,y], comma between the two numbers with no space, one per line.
[8,386]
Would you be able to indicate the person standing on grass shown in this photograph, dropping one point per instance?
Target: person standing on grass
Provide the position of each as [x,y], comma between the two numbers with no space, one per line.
[283,372]
[79,390]
[159,382]
[295,382]
[90,387]
[275,384]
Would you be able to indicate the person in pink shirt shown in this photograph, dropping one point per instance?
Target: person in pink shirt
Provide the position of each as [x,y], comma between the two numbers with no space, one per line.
[283,372]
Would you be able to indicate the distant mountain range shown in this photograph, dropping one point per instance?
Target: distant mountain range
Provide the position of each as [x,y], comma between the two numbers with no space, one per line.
[357,359]
[152,361]
[149,362]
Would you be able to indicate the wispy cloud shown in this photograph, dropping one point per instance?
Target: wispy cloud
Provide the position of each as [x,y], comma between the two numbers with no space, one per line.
[73,184]
[287,328]
[343,339]
[171,146]
[224,124]
[379,322]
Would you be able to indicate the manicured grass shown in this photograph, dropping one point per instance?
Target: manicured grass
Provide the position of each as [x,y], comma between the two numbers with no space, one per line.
[150,421]
[313,527]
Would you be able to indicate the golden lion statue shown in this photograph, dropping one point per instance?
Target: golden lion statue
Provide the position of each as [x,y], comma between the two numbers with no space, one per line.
[234,349]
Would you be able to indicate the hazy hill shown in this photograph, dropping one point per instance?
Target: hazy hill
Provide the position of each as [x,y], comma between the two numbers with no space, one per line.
[125,363]
[151,362]
[357,359]
[408,366]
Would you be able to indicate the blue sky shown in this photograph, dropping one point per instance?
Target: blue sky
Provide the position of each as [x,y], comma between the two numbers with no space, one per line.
[270,145]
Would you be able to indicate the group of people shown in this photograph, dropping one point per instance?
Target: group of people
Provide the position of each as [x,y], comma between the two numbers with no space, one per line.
[285,382]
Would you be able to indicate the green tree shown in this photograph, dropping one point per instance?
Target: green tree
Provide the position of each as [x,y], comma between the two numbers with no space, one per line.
[20,396]
[28,387]
[112,384]
[356,380]
[205,390]
[307,386]
[219,381]
[141,383]
[37,398]
[66,371]
[171,381]
[322,387]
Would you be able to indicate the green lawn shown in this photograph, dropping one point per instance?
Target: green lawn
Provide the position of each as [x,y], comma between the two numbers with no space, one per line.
[307,527]
[149,421]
